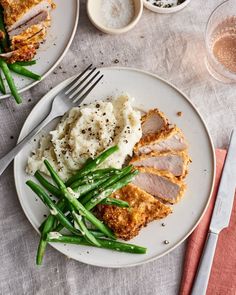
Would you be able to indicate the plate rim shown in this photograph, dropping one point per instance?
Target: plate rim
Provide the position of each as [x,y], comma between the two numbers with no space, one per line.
[210,189]
[2,97]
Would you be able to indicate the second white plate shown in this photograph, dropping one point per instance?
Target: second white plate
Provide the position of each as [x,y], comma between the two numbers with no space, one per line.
[150,92]
[60,35]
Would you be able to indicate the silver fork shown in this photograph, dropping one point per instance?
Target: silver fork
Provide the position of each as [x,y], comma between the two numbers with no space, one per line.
[72,95]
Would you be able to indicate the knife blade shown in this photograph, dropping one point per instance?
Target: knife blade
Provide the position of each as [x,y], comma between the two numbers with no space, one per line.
[220,218]
[225,197]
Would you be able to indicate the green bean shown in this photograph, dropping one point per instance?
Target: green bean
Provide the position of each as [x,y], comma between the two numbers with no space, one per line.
[59,226]
[56,192]
[76,204]
[23,71]
[93,175]
[2,86]
[107,201]
[106,185]
[61,205]
[108,244]
[10,81]
[83,229]
[95,233]
[115,202]
[43,243]
[46,184]
[108,191]
[83,189]
[53,189]
[92,165]
[54,209]
[26,63]
[49,224]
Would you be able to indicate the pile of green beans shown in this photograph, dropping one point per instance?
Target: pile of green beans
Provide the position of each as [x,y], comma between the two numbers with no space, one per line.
[77,197]
[17,67]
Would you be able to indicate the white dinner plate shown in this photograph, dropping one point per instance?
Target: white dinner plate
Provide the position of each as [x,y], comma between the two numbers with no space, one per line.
[150,92]
[60,35]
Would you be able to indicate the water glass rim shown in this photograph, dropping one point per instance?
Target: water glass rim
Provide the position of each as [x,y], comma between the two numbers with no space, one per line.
[211,15]
[230,76]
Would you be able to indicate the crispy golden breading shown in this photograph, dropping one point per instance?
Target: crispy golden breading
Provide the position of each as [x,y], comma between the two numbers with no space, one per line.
[161,141]
[33,35]
[127,222]
[26,22]
[151,113]
[22,54]
[15,9]
[153,121]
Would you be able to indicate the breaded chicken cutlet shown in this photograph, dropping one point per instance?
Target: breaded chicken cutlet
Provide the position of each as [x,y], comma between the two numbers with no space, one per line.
[127,222]
[26,23]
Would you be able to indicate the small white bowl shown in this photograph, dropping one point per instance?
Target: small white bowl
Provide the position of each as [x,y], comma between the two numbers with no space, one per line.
[93,11]
[165,10]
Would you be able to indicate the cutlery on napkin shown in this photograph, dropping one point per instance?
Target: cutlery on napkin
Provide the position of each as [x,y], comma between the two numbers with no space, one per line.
[223,275]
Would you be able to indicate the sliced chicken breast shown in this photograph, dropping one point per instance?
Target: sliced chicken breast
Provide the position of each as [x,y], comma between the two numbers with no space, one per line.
[18,12]
[167,140]
[42,18]
[127,222]
[173,162]
[26,22]
[33,35]
[162,185]
[153,122]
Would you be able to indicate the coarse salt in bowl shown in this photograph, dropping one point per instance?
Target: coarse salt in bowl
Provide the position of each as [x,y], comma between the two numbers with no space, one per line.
[114,16]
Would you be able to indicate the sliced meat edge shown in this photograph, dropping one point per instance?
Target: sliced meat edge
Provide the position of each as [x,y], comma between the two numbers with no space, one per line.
[173,162]
[167,140]
[153,122]
[160,184]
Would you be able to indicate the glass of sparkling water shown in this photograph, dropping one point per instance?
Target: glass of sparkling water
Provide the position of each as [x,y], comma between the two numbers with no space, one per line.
[220,40]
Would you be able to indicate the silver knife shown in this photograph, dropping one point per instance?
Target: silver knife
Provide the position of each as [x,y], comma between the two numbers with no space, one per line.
[220,218]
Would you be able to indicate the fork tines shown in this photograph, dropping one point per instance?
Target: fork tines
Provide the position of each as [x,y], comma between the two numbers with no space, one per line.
[83,84]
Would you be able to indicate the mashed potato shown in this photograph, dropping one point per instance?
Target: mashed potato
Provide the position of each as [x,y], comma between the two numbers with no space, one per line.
[84,132]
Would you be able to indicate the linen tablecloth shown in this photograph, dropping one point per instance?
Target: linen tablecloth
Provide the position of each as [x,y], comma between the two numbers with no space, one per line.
[171,46]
